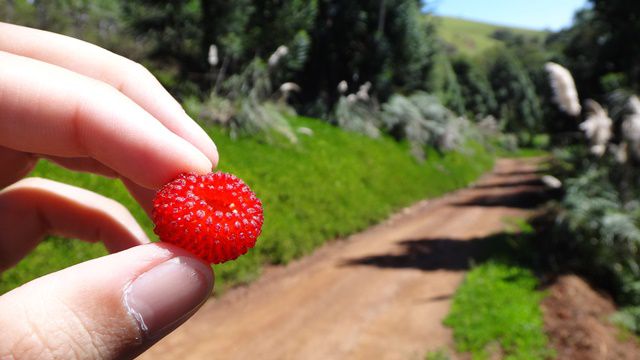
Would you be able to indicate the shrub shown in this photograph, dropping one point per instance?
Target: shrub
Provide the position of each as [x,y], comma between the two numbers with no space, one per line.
[356,115]
[422,120]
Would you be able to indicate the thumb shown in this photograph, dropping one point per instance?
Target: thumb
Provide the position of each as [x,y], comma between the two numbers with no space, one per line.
[112,307]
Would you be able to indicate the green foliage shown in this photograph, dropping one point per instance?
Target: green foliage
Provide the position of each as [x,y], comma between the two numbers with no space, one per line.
[180,33]
[405,120]
[477,94]
[525,153]
[275,22]
[412,44]
[383,42]
[519,105]
[444,83]
[223,23]
[612,82]
[423,121]
[420,118]
[597,227]
[171,30]
[578,48]
[330,184]
[628,318]
[499,304]
[620,50]
[602,42]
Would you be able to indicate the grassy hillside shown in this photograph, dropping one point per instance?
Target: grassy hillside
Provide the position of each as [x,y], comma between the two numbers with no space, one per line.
[329,185]
[472,37]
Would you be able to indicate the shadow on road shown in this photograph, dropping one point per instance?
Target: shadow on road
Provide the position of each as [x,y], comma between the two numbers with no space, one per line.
[425,254]
[510,184]
[526,199]
[451,254]
[524,193]
[459,254]
[518,173]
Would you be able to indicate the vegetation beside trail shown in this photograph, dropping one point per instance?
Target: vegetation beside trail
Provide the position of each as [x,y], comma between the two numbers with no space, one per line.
[329,185]
[496,310]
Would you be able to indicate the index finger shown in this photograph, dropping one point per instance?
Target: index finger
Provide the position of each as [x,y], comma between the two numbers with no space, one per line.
[129,77]
[49,110]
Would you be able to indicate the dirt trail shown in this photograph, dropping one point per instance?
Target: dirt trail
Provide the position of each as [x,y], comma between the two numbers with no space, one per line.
[380,294]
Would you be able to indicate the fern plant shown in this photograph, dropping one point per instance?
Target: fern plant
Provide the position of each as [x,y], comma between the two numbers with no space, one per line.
[603,229]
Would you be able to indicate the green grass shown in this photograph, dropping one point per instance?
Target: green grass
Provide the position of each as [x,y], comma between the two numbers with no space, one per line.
[524,153]
[437,355]
[329,185]
[496,310]
[498,307]
[472,37]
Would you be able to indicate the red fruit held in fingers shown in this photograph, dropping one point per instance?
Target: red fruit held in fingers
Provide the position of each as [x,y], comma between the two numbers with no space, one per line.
[214,216]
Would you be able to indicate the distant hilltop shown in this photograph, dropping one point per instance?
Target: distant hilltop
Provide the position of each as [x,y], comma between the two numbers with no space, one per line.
[473,37]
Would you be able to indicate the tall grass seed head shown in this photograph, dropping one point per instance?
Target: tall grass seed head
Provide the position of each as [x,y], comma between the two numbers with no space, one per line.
[564,89]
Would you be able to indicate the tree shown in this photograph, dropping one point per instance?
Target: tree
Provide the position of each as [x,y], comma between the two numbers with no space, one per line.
[183,31]
[619,49]
[579,50]
[601,46]
[443,82]
[174,31]
[519,106]
[478,96]
[385,42]
[413,44]
[223,25]
[276,23]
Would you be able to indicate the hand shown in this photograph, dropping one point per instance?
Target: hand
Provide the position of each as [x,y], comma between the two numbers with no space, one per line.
[90,110]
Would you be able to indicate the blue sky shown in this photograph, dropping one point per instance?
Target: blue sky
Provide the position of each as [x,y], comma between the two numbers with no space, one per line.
[534,14]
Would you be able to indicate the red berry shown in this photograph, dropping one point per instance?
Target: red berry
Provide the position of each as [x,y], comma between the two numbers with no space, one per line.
[214,216]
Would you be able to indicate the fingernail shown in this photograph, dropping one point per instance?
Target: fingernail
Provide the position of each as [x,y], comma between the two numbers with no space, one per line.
[165,296]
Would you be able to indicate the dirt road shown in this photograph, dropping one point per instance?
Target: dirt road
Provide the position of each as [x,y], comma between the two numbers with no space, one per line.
[381,294]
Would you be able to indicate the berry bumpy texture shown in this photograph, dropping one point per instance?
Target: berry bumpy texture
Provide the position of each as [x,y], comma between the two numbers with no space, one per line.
[214,216]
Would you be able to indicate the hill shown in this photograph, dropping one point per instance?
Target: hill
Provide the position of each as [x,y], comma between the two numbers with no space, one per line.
[473,37]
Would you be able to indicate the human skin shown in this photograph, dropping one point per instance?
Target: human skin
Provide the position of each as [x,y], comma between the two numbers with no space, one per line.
[90,110]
